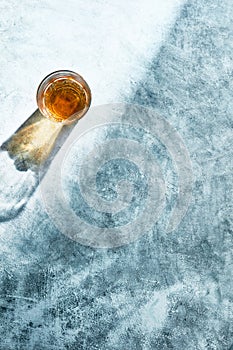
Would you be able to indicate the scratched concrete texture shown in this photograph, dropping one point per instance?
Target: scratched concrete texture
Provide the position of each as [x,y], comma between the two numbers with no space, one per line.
[164,291]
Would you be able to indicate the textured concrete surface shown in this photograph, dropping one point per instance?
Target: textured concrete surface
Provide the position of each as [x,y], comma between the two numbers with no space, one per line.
[164,291]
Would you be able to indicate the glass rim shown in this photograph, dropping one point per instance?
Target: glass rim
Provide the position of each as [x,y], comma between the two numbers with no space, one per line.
[54,76]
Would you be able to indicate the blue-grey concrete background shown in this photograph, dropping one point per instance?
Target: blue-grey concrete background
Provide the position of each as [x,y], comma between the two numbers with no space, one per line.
[165,291]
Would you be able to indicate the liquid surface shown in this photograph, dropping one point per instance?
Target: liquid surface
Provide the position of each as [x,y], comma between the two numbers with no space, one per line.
[65,98]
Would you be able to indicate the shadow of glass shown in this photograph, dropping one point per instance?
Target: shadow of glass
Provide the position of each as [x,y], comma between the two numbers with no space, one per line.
[25,159]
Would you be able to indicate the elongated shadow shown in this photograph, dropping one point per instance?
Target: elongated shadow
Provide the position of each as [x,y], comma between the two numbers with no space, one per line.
[30,151]
[35,142]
